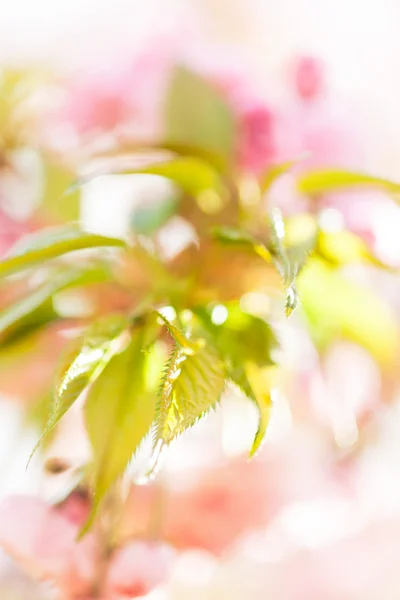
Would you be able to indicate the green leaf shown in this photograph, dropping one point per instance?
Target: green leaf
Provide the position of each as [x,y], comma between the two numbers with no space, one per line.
[246,344]
[322,182]
[288,261]
[146,219]
[100,343]
[36,309]
[55,201]
[119,412]
[344,247]
[276,171]
[260,382]
[46,244]
[196,115]
[337,307]
[241,337]
[193,175]
[191,386]
[186,345]
[240,237]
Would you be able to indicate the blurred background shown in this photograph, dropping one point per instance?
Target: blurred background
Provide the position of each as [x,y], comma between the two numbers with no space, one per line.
[317,513]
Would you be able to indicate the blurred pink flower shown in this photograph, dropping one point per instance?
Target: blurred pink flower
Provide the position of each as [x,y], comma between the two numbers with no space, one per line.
[256,134]
[360,566]
[312,123]
[255,116]
[137,568]
[309,77]
[43,541]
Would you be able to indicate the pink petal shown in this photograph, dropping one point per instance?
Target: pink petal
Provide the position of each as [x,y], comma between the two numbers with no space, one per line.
[44,543]
[137,568]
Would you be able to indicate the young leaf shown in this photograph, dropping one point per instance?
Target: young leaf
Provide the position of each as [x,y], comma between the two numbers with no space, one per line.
[276,171]
[99,344]
[196,115]
[36,309]
[119,411]
[240,237]
[186,345]
[50,243]
[323,182]
[241,337]
[288,261]
[344,247]
[260,383]
[246,343]
[191,386]
[55,201]
[192,174]
[337,307]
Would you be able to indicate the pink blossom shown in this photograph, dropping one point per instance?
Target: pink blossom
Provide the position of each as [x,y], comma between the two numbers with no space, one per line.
[44,543]
[137,568]
[313,122]
[309,77]
[122,99]
[254,115]
[43,540]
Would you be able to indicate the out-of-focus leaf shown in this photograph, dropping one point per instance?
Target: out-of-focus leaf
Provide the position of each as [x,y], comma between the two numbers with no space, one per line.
[50,243]
[240,237]
[119,412]
[146,219]
[37,309]
[100,343]
[191,174]
[337,307]
[344,247]
[55,201]
[323,182]
[276,171]
[191,386]
[288,261]
[196,115]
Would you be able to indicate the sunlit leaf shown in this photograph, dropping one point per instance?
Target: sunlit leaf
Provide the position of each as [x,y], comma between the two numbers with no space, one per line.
[119,411]
[37,308]
[261,383]
[288,261]
[344,247]
[196,115]
[276,171]
[186,345]
[322,182]
[100,343]
[55,201]
[191,386]
[191,174]
[241,337]
[241,237]
[247,344]
[50,243]
[337,307]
